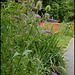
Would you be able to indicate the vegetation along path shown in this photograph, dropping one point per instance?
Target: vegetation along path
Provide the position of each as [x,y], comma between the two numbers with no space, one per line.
[69,55]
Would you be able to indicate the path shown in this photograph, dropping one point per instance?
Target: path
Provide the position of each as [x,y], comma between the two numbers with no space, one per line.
[69,54]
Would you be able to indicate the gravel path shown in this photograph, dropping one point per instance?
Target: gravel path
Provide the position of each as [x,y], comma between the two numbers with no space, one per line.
[69,55]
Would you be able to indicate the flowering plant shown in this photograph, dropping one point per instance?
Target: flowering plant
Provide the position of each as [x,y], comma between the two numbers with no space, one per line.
[26,49]
[71,25]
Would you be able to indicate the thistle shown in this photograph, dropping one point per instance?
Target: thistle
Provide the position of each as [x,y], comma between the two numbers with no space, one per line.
[48,8]
[39,5]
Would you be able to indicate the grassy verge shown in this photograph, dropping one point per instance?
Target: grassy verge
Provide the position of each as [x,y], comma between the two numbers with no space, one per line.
[65,35]
[63,41]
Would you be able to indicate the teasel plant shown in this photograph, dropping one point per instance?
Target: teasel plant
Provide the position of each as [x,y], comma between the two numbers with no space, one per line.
[31,1]
[39,6]
[47,8]
[46,15]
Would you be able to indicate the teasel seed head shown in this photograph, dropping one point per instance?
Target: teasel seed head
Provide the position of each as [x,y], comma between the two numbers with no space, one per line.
[48,8]
[39,5]
[31,1]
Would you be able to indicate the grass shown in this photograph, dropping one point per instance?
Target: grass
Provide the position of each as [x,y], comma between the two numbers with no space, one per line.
[63,41]
[65,35]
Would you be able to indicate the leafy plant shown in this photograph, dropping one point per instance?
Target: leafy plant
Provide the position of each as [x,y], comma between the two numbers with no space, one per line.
[25,50]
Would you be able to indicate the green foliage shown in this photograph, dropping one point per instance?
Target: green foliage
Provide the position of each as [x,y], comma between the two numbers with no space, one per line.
[65,30]
[61,10]
[65,35]
[24,49]
[55,11]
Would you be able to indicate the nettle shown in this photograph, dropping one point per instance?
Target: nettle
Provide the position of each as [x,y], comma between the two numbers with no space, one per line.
[26,50]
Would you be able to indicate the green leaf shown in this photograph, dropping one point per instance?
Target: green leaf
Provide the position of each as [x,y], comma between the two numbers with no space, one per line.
[16,54]
[38,60]
[62,68]
[26,52]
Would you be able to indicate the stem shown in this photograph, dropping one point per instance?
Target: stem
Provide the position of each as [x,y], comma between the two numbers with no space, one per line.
[37,11]
[17,65]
